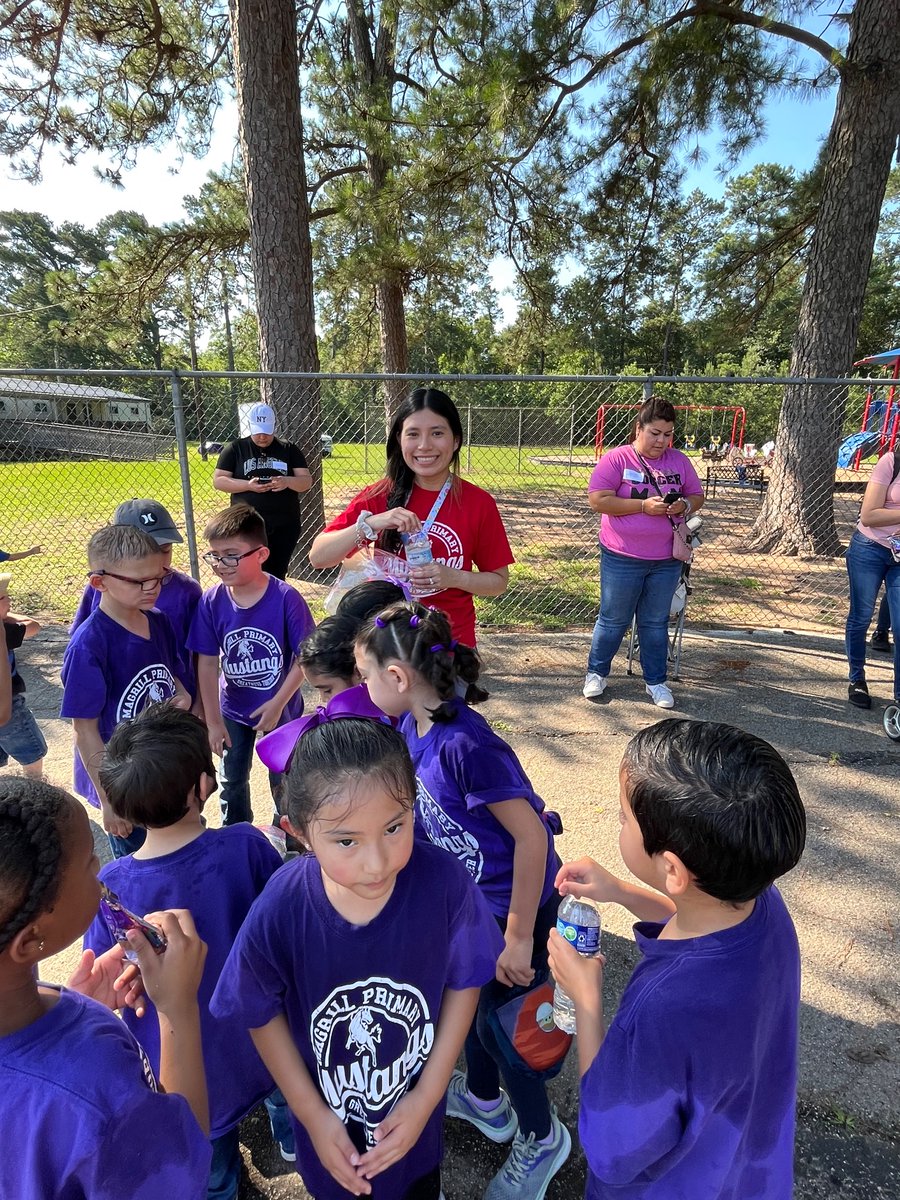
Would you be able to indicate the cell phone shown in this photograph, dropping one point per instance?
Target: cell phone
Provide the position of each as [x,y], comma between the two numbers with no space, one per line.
[671,496]
[119,920]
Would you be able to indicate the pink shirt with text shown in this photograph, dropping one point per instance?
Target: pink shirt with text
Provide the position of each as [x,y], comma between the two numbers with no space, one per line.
[621,471]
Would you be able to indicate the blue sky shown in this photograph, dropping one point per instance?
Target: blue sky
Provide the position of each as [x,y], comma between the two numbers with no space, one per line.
[158,182]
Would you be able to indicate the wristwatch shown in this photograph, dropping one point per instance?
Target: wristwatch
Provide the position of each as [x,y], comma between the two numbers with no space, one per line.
[363,529]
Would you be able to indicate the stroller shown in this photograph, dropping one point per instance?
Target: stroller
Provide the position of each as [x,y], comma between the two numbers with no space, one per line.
[892,722]
[678,611]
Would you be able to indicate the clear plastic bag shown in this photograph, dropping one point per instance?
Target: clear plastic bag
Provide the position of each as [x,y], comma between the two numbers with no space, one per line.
[361,568]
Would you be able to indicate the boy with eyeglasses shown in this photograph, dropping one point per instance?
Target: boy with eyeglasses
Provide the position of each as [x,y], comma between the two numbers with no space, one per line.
[254,623]
[180,595]
[123,657]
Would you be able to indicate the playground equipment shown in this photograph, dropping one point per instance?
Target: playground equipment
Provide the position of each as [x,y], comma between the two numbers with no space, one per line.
[881,416]
[613,426]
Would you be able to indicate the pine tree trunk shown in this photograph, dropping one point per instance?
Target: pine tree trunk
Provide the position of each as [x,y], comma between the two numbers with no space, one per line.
[798,514]
[267,82]
[394,347]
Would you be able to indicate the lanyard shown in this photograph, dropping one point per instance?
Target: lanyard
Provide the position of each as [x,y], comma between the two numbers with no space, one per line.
[435,509]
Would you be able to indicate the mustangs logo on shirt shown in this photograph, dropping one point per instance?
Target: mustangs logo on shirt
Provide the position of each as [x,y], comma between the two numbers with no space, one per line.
[149,686]
[443,831]
[252,658]
[370,1039]
[446,545]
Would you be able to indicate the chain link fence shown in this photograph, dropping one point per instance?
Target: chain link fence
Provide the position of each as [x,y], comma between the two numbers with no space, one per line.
[74,446]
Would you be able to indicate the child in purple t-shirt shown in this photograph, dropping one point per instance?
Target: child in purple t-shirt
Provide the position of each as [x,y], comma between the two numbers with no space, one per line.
[177,599]
[122,658]
[475,801]
[358,969]
[692,1091]
[157,773]
[327,655]
[80,1109]
[253,623]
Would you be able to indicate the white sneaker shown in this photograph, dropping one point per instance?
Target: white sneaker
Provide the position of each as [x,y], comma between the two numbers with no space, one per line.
[661,695]
[594,685]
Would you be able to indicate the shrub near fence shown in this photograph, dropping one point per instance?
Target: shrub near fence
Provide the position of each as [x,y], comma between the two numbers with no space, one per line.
[529,441]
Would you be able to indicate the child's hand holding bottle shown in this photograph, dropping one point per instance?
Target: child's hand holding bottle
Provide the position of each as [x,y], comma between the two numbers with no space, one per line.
[586,879]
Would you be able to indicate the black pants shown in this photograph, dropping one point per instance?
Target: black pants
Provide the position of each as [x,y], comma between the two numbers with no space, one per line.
[283,534]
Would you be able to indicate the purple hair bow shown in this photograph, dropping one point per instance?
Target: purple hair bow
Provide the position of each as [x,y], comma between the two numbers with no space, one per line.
[275,748]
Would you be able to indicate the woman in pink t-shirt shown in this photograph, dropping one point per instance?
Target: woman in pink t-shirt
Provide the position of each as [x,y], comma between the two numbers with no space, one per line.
[873,557]
[422,490]
[639,490]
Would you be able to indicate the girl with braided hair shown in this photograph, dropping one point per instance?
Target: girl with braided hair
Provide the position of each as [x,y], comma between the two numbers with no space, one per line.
[422,490]
[474,799]
[69,1069]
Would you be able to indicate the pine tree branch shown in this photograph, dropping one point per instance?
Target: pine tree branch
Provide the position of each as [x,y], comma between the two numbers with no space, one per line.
[737,16]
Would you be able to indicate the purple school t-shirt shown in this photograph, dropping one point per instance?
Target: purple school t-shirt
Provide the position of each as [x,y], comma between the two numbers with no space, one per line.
[362,1001]
[461,767]
[256,645]
[111,674]
[216,877]
[693,1091]
[178,600]
[82,1117]
[620,471]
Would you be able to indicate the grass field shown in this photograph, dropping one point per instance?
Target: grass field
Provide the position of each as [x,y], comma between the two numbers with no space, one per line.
[541,494]
[59,505]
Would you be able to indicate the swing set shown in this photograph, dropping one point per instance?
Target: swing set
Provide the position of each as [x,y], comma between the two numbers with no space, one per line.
[609,427]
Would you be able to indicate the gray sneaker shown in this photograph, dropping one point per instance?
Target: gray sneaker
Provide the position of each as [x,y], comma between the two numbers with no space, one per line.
[527,1172]
[498,1124]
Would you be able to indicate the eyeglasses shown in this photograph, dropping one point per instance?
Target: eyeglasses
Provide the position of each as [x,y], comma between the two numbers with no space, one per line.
[146,585]
[227,560]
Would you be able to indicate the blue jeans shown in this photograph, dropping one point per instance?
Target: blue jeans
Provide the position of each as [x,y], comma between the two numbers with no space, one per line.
[237,759]
[280,1120]
[486,1063]
[869,564]
[225,1168]
[21,737]
[640,588]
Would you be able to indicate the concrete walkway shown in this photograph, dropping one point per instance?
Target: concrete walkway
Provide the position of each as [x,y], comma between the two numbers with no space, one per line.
[844,896]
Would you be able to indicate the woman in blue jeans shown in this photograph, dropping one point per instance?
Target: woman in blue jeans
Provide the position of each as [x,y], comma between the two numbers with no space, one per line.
[873,558]
[640,490]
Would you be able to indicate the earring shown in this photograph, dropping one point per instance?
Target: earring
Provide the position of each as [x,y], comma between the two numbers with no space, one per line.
[40,947]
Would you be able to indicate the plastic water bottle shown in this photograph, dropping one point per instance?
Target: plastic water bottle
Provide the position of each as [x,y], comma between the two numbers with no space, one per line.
[418,554]
[578,921]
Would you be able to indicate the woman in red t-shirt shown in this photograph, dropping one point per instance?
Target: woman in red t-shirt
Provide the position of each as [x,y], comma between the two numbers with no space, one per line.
[468,542]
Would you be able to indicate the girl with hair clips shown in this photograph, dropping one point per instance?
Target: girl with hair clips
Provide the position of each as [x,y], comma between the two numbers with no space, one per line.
[79,1107]
[422,490]
[357,971]
[475,801]
[645,492]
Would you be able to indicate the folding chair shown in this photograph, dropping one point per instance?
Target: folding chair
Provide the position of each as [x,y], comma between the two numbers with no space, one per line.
[678,611]
[677,616]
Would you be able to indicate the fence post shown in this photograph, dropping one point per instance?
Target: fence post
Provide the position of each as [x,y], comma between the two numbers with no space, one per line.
[469,438]
[648,388]
[571,436]
[184,464]
[519,445]
[365,433]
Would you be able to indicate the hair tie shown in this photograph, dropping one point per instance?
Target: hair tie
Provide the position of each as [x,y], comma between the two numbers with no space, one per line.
[453,643]
[439,646]
[413,621]
[381,624]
